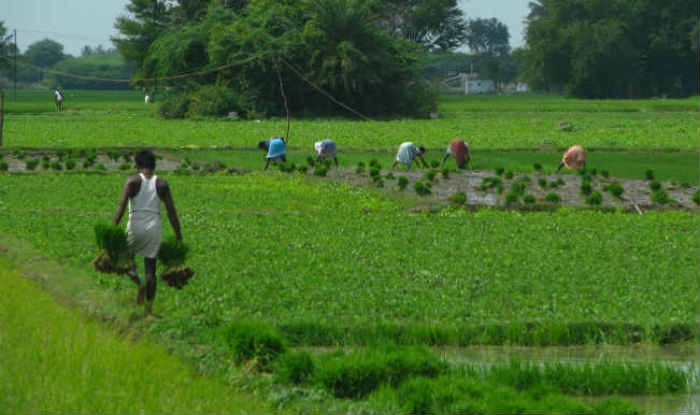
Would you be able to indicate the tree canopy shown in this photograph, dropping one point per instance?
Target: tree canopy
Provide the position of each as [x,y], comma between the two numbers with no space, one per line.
[612,48]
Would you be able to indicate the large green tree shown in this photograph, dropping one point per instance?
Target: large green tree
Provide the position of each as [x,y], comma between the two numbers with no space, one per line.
[612,48]
[45,53]
[145,21]
[7,48]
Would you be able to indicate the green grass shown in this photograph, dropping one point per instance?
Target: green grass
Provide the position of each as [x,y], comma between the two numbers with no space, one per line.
[102,119]
[55,360]
[336,280]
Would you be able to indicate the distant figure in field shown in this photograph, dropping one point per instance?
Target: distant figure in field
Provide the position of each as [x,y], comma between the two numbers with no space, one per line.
[574,158]
[144,192]
[58,98]
[276,149]
[327,148]
[407,153]
[148,99]
[459,149]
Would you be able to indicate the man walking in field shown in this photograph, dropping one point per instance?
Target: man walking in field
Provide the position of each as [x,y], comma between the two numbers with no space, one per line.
[276,149]
[574,158]
[58,98]
[144,193]
[407,153]
[460,150]
[326,148]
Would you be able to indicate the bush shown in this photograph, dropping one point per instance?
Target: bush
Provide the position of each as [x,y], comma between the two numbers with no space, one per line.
[615,189]
[4,166]
[295,367]
[511,198]
[537,167]
[211,100]
[70,164]
[403,182]
[529,199]
[552,198]
[509,174]
[586,188]
[500,170]
[357,374]
[696,197]
[252,340]
[174,106]
[596,198]
[654,185]
[649,174]
[31,164]
[459,198]
[660,196]
[421,188]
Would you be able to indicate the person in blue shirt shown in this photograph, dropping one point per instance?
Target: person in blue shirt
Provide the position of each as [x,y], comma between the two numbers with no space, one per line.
[276,149]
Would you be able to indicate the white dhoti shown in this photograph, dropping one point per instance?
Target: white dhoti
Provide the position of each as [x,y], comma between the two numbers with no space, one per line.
[143,234]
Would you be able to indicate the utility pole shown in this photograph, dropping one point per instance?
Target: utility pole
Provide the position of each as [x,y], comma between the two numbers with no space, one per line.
[15,68]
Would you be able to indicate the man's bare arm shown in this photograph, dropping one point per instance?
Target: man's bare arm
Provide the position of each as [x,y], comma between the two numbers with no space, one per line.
[126,193]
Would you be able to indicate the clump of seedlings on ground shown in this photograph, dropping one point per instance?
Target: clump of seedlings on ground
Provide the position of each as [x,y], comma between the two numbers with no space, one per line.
[113,255]
[491,183]
[422,188]
[172,255]
[553,198]
[595,199]
[614,189]
[459,198]
[403,182]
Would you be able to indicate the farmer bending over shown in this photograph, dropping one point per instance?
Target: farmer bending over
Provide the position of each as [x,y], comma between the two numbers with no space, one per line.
[460,150]
[574,158]
[327,148]
[144,193]
[407,153]
[58,99]
[276,150]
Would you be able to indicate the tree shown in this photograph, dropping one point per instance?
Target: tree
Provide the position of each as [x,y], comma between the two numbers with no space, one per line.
[45,53]
[488,36]
[434,24]
[7,48]
[612,48]
[147,20]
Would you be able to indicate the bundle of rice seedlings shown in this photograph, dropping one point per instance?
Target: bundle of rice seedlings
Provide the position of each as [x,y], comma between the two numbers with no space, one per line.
[172,256]
[114,256]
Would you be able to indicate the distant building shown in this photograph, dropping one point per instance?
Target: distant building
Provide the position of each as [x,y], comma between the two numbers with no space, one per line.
[472,84]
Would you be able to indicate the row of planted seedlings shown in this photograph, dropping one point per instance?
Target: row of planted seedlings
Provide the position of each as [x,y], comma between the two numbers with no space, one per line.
[422,187]
[71,159]
[413,379]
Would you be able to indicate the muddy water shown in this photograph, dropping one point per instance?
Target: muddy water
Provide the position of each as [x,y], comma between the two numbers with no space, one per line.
[682,356]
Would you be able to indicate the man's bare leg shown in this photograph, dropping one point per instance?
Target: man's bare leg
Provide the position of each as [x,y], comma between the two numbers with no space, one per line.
[150,287]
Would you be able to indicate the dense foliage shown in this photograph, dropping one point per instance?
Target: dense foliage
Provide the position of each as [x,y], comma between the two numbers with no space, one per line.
[613,48]
[106,65]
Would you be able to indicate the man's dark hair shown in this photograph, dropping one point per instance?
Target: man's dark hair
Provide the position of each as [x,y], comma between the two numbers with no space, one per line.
[422,149]
[145,160]
[263,145]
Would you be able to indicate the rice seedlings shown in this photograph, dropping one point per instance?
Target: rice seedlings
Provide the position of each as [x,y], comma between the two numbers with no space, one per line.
[500,171]
[605,173]
[649,174]
[113,255]
[434,164]
[429,176]
[511,198]
[390,176]
[614,189]
[509,175]
[660,196]
[459,198]
[172,255]
[696,197]
[421,188]
[542,182]
[320,171]
[4,166]
[553,198]
[586,188]
[529,199]
[445,173]
[537,167]
[70,164]
[56,165]
[359,170]
[403,182]
[596,198]
[654,185]
[31,164]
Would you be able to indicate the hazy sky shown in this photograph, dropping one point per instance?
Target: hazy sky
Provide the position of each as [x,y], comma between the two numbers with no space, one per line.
[76,23]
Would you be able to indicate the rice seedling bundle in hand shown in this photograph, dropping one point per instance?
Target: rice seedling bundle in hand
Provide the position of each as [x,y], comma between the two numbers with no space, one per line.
[172,256]
[114,256]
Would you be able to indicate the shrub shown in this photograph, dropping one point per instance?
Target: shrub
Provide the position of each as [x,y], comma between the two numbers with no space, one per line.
[359,373]
[295,367]
[509,174]
[542,182]
[421,188]
[174,106]
[553,198]
[615,189]
[251,340]
[445,173]
[649,174]
[696,197]
[320,171]
[586,188]
[511,198]
[403,182]
[459,198]
[211,100]
[605,173]
[4,166]
[537,167]
[529,199]
[70,164]
[654,185]
[660,196]
[31,164]
[500,170]
[596,198]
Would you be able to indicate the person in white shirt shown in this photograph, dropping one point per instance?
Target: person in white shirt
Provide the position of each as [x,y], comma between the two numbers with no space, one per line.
[58,99]
[326,148]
